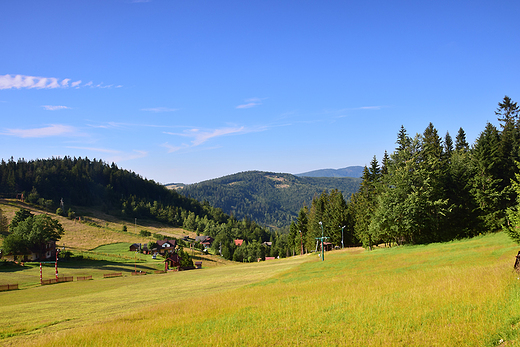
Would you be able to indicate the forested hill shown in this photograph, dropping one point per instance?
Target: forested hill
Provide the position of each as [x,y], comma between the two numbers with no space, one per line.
[84,182]
[265,197]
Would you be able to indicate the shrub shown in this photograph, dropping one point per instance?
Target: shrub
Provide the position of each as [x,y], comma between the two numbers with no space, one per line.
[145,233]
[125,229]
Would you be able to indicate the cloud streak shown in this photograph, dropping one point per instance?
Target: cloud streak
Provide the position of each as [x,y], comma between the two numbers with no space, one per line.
[160,109]
[52,130]
[199,137]
[35,82]
[55,108]
[250,103]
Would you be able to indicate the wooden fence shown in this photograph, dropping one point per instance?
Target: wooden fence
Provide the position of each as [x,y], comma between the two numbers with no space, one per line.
[84,278]
[4,287]
[138,273]
[114,274]
[49,281]
[59,280]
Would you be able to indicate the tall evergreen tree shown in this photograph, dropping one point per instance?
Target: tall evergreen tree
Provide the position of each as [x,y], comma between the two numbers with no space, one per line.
[403,140]
[507,111]
[460,141]
[487,187]
[384,164]
[448,145]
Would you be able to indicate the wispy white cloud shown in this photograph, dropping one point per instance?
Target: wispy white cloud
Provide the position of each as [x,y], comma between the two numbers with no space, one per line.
[160,109]
[30,82]
[52,130]
[370,107]
[171,148]
[200,136]
[54,108]
[251,103]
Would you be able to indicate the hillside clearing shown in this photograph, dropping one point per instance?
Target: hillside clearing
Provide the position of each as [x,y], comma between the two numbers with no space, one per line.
[449,294]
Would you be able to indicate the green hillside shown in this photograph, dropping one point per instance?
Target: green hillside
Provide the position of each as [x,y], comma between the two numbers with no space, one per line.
[68,186]
[268,198]
[461,293]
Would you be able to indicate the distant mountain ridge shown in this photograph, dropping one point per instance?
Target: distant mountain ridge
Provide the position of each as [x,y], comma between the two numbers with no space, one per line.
[265,197]
[349,171]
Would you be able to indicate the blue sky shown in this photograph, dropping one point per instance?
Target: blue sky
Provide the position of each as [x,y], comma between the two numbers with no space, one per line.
[184,91]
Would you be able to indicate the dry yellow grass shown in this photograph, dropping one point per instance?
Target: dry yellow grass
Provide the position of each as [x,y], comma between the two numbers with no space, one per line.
[456,294]
[83,236]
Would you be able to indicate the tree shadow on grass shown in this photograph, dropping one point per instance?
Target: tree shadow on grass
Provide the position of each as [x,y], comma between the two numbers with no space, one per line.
[13,267]
[105,265]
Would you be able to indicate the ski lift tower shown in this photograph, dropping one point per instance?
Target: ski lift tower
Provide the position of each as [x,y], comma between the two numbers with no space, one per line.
[322,238]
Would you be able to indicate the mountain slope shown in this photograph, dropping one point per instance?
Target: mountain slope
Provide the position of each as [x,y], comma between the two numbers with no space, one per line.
[350,171]
[265,197]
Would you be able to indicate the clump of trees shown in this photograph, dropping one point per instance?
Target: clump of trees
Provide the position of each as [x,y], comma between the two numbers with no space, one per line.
[30,233]
[429,189]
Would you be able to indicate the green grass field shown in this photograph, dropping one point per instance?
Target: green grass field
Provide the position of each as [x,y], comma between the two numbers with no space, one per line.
[461,293]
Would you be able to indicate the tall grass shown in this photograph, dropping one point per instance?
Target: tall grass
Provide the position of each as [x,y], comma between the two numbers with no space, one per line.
[459,293]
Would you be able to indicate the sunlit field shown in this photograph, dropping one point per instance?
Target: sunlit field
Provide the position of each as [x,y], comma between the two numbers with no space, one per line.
[451,294]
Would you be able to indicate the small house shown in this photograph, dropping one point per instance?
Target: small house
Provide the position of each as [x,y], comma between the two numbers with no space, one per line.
[238,242]
[204,240]
[47,251]
[164,246]
[173,262]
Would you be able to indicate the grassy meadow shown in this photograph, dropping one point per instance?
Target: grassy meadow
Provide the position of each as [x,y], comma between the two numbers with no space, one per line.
[461,293]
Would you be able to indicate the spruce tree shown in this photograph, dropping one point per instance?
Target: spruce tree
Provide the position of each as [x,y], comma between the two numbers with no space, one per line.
[460,141]
[487,187]
[448,145]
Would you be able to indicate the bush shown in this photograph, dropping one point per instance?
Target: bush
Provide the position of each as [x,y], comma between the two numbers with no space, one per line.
[145,233]
[125,229]
[59,211]
[65,255]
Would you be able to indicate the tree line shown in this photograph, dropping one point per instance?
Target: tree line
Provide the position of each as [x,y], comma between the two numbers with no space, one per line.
[429,189]
[62,184]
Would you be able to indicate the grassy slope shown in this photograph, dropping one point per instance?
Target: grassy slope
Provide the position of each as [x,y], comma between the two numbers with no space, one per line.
[458,293]
[85,236]
[106,247]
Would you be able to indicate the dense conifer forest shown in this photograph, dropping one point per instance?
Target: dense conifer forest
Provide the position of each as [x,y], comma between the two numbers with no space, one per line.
[429,189]
[62,184]
[268,198]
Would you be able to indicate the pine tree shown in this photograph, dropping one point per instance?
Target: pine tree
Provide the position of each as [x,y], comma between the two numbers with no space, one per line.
[487,187]
[384,164]
[507,112]
[448,145]
[460,141]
